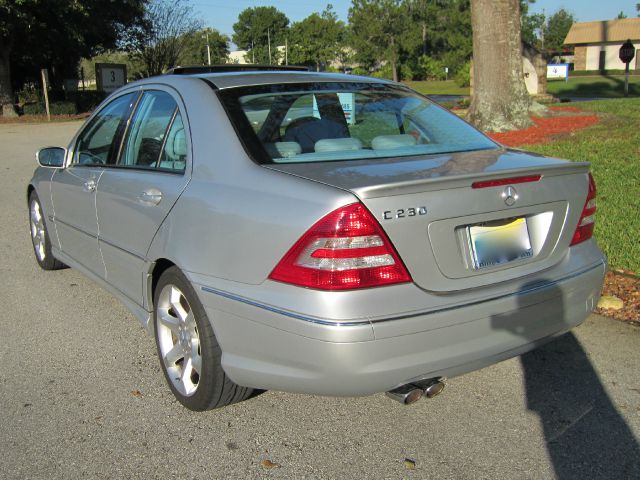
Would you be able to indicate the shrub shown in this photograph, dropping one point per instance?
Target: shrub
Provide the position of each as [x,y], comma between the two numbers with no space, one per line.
[432,68]
[360,71]
[404,72]
[55,108]
[86,100]
[463,76]
[30,93]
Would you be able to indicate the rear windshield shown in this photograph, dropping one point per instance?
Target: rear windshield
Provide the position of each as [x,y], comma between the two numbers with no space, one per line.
[346,121]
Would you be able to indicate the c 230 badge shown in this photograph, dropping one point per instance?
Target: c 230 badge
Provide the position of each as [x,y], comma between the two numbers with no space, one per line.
[404,213]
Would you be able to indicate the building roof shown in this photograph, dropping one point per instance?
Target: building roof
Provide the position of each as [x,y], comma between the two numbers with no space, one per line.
[619,30]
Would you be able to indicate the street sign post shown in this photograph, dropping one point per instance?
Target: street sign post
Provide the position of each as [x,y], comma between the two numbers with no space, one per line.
[626,54]
[110,76]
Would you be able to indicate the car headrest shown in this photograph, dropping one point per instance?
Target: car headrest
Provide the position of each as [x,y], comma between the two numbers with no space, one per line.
[338,144]
[180,144]
[386,142]
[283,149]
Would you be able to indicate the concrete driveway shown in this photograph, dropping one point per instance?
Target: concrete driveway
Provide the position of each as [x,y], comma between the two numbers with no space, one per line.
[82,394]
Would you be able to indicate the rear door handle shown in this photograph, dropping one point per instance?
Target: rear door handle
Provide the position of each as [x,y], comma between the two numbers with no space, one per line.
[90,185]
[152,196]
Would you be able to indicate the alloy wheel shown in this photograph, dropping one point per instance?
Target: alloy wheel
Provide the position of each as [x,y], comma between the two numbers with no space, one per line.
[178,340]
[38,233]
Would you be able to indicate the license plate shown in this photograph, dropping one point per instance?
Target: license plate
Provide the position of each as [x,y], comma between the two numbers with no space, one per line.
[496,243]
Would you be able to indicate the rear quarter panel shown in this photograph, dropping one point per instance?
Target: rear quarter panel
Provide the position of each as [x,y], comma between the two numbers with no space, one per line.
[236,220]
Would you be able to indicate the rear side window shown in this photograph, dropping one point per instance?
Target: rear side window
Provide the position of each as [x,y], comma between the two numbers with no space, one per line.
[156,138]
[345,121]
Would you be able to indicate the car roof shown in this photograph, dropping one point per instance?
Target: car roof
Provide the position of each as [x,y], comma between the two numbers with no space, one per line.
[230,76]
[224,80]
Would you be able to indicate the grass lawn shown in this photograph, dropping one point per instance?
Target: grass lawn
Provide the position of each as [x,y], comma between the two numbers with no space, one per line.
[597,86]
[435,87]
[613,148]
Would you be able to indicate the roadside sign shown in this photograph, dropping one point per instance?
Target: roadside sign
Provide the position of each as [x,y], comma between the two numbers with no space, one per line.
[558,70]
[627,52]
[110,76]
[346,101]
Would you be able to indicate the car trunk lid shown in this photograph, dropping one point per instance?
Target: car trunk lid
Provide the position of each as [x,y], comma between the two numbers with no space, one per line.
[454,235]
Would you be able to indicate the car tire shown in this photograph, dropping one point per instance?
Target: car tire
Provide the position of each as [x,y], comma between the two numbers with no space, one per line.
[188,350]
[40,236]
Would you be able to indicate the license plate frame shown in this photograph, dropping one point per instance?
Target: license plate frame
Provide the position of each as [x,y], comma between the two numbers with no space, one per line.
[499,242]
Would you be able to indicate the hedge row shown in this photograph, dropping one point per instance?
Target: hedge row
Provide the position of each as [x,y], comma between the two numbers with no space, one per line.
[68,103]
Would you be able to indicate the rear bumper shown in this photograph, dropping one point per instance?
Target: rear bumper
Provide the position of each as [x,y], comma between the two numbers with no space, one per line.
[272,349]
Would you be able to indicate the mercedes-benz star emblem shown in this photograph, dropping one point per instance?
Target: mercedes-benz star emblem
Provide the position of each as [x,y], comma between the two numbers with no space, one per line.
[510,196]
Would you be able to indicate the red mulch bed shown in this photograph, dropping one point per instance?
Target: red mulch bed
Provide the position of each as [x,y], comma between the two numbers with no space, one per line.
[547,128]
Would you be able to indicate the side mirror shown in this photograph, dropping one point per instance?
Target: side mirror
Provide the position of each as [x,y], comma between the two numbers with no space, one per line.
[51,157]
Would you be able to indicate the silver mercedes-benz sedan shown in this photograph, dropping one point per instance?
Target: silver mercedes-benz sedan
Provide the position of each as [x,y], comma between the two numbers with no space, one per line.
[318,233]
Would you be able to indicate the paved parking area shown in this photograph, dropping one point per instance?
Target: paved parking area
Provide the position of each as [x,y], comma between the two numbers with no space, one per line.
[82,394]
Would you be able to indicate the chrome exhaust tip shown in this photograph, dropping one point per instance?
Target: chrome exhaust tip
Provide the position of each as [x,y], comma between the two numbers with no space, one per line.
[434,389]
[431,387]
[406,394]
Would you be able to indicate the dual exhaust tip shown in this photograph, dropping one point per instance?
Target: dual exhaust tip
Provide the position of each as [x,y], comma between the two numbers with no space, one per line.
[412,392]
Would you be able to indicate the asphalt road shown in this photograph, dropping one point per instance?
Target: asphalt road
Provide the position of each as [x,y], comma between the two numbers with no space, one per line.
[82,394]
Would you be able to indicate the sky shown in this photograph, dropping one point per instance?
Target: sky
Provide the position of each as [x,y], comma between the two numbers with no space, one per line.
[221,14]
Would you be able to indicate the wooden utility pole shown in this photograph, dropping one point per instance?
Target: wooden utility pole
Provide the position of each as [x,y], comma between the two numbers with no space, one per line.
[45,87]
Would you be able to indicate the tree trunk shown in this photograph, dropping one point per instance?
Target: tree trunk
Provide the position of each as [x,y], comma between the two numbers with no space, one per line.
[394,63]
[6,91]
[500,100]
[424,38]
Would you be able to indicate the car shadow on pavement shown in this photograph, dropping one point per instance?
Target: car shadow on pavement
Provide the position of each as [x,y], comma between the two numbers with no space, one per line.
[585,435]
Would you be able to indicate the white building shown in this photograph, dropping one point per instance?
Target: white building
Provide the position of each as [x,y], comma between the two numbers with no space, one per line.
[238,57]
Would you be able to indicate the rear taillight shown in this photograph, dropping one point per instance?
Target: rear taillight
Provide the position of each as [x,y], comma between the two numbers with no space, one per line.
[584,231]
[346,249]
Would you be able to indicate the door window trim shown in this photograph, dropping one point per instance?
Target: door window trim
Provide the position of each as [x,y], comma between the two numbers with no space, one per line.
[127,131]
[117,137]
[140,90]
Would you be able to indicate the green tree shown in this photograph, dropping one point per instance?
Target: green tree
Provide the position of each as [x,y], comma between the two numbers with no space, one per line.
[427,16]
[316,40]
[163,41]
[456,46]
[38,34]
[260,30]
[621,15]
[530,24]
[440,30]
[195,51]
[378,31]
[556,30]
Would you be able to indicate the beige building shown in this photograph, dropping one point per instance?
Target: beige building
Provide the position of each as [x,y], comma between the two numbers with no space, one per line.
[243,57]
[597,44]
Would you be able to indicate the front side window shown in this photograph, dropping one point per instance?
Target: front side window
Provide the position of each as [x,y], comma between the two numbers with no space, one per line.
[156,138]
[344,121]
[98,143]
